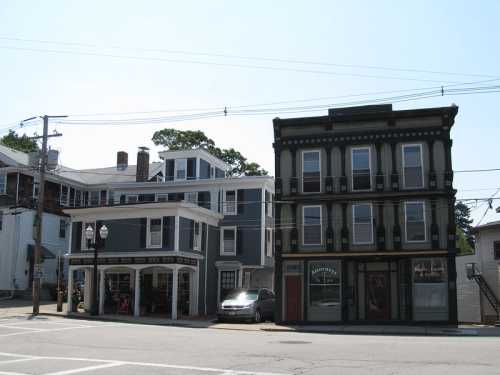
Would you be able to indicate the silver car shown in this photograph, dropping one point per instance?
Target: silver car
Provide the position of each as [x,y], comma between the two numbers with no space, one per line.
[247,304]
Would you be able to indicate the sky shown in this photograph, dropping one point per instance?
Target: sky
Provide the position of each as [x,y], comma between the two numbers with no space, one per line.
[81,58]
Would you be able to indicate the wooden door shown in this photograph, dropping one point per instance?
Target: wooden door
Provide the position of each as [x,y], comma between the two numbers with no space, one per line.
[293,293]
[378,296]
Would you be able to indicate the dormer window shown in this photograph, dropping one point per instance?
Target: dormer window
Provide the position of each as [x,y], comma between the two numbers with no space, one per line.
[180,169]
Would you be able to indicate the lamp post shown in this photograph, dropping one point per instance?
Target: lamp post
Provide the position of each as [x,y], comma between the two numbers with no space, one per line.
[89,234]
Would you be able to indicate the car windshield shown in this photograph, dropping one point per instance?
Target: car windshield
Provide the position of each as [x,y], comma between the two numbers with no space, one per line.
[247,295]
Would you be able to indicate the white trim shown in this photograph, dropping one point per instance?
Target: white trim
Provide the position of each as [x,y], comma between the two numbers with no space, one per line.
[318,151]
[369,167]
[197,153]
[176,169]
[354,224]
[148,233]
[423,216]
[320,224]
[269,242]
[224,203]
[176,233]
[406,145]
[222,252]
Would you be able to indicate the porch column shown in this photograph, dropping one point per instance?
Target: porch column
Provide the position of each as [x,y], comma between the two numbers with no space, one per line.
[176,233]
[137,297]
[175,287]
[69,306]
[101,291]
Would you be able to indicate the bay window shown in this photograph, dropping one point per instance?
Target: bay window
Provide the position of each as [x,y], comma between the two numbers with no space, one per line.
[415,221]
[361,168]
[311,172]
[362,217]
[311,225]
[413,177]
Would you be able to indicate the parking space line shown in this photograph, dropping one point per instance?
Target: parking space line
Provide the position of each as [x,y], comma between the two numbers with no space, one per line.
[12,373]
[14,326]
[47,330]
[103,363]
[18,360]
[84,369]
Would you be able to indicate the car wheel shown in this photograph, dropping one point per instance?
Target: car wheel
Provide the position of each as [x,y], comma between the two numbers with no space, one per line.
[257,317]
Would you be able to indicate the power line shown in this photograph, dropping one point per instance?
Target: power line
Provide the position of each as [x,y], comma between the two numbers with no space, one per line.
[217,64]
[251,58]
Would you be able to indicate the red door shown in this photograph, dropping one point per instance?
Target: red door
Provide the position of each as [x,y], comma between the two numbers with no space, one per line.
[293,288]
[378,305]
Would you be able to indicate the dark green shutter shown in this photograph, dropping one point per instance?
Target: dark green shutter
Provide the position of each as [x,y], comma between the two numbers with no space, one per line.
[143,228]
[240,194]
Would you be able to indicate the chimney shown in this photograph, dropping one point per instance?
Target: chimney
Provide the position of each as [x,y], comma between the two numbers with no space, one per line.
[142,172]
[121,160]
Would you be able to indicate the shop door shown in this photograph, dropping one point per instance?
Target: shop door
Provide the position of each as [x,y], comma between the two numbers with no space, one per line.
[293,287]
[378,297]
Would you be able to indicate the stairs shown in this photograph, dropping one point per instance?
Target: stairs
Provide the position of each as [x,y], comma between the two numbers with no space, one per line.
[474,274]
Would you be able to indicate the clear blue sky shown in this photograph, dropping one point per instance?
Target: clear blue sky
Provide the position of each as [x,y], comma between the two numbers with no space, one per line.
[451,36]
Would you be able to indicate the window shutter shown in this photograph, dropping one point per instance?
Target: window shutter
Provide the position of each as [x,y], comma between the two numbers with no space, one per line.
[240,194]
[169,170]
[239,241]
[77,236]
[142,233]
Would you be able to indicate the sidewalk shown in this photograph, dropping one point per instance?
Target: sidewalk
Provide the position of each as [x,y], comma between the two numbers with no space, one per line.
[12,308]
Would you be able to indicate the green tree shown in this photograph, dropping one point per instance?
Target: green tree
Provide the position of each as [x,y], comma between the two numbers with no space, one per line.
[465,238]
[20,143]
[174,139]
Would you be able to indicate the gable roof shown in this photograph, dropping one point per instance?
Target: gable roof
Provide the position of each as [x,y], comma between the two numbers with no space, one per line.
[13,157]
[491,225]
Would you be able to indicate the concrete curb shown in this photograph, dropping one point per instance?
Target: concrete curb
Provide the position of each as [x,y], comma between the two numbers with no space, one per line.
[340,330]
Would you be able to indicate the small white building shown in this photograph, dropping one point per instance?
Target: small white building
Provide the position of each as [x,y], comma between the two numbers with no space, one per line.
[473,306]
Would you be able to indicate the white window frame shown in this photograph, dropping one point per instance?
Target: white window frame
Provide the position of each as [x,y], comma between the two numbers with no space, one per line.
[3,182]
[269,204]
[133,195]
[320,174]
[176,168]
[406,145]
[150,245]
[233,228]
[226,212]
[84,237]
[320,224]
[161,195]
[369,166]
[354,241]
[196,237]
[269,242]
[406,221]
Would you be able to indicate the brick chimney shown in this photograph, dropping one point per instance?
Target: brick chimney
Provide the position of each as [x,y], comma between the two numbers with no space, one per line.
[142,172]
[121,160]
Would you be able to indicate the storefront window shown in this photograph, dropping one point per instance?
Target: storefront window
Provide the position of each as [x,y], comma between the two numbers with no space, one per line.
[324,284]
[428,271]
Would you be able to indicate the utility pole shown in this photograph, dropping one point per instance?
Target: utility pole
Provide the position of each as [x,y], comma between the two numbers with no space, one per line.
[37,272]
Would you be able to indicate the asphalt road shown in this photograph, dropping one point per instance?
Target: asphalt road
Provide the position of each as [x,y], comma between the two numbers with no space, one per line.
[66,346]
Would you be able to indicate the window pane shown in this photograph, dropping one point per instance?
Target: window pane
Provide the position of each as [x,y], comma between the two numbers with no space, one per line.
[412,166]
[361,179]
[155,232]
[231,201]
[311,174]
[3,182]
[180,167]
[412,156]
[363,233]
[429,271]
[415,224]
[362,213]
[312,215]
[229,240]
[312,226]
[324,284]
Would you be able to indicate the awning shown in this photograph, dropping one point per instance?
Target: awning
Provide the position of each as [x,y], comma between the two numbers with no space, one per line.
[46,254]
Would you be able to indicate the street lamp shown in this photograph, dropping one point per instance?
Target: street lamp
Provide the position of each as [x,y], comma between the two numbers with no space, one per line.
[89,234]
